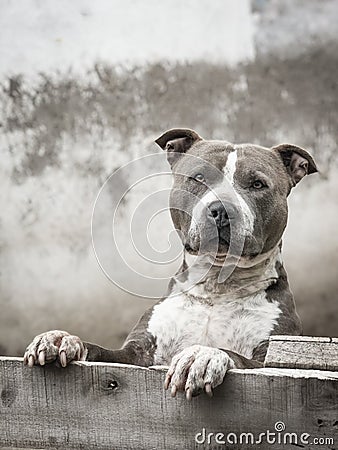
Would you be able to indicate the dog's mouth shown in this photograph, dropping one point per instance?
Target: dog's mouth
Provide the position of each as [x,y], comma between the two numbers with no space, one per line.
[216,247]
[222,245]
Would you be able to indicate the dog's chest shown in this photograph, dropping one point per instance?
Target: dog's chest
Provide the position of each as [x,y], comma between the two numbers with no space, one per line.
[239,325]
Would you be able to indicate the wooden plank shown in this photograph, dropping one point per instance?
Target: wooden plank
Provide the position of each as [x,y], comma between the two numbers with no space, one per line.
[302,352]
[283,337]
[114,406]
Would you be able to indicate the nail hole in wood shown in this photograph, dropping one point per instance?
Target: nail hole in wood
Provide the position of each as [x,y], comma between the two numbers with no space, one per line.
[112,385]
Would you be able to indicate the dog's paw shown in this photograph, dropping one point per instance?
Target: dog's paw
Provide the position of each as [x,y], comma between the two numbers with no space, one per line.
[197,368]
[52,346]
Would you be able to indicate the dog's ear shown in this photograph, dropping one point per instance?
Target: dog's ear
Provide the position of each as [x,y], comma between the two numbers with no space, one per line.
[298,162]
[177,141]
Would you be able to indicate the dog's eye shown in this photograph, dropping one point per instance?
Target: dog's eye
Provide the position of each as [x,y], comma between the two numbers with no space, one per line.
[199,177]
[258,184]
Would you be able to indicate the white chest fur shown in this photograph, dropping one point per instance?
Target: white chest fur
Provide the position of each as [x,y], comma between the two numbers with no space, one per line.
[239,325]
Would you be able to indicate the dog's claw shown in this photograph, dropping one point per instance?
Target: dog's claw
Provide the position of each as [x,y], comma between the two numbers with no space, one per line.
[30,361]
[42,358]
[63,358]
[166,382]
[208,389]
[188,394]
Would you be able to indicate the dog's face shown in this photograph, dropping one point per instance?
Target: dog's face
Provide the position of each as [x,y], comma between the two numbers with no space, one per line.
[231,198]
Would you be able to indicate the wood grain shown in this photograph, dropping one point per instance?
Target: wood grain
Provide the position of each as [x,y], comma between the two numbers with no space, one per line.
[302,352]
[114,406]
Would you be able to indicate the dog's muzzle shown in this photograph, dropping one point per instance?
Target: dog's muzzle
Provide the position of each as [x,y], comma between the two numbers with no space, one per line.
[220,214]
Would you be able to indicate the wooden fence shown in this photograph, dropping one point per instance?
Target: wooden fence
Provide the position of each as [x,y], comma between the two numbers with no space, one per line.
[115,406]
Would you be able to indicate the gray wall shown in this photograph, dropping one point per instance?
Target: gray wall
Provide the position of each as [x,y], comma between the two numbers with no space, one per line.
[64,132]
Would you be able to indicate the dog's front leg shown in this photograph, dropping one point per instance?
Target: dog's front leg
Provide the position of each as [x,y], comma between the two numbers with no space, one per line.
[199,368]
[138,352]
[61,347]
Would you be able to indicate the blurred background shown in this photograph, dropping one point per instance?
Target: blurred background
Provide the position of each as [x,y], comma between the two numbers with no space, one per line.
[87,86]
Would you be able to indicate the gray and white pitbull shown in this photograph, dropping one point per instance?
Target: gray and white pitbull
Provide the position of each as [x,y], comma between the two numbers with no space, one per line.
[207,325]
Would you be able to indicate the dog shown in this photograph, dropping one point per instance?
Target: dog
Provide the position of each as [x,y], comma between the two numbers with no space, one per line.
[228,202]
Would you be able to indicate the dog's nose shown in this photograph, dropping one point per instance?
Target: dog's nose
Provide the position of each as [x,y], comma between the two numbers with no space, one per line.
[218,212]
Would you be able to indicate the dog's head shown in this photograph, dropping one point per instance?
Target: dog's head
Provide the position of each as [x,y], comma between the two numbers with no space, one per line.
[232,198]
